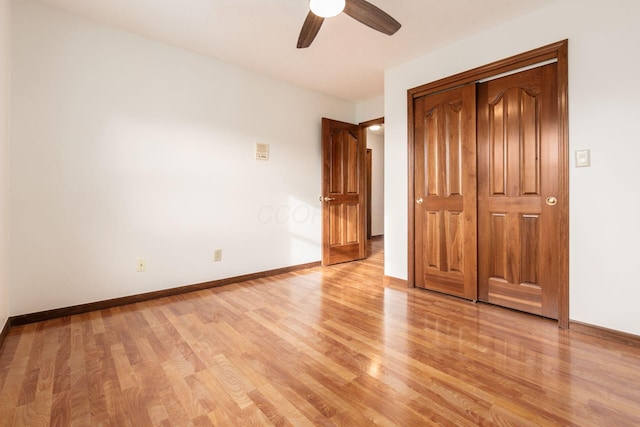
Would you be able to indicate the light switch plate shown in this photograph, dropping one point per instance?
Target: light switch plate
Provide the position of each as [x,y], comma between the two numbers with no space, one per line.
[583,158]
[262,151]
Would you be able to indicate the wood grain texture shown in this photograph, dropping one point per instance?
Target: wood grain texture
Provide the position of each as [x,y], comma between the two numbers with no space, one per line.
[556,51]
[444,184]
[309,30]
[344,192]
[519,251]
[41,316]
[330,346]
[4,332]
[371,16]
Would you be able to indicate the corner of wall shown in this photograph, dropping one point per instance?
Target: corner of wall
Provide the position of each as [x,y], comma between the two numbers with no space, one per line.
[370,109]
[5,66]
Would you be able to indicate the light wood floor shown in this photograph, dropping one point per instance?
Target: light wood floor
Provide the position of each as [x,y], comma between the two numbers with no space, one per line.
[327,347]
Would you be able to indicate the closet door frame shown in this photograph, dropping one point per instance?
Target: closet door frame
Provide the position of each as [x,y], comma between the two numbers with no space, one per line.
[553,52]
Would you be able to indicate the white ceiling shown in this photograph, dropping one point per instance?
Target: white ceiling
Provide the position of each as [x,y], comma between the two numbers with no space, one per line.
[346,60]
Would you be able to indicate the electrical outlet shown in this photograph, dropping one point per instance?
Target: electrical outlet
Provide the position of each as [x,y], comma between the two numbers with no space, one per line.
[141,265]
[217,255]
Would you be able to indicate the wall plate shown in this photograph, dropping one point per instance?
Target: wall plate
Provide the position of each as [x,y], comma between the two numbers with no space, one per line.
[262,151]
[583,158]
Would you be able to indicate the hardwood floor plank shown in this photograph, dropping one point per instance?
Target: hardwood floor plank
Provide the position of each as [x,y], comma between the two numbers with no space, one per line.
[332,365]
[158,414]
[344,413]
[175,410]
[335,346]
[286,403]
[60,410]
[226,409]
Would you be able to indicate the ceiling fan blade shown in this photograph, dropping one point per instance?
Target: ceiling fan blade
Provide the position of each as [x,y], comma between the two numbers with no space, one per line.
[309,30]
[371,16]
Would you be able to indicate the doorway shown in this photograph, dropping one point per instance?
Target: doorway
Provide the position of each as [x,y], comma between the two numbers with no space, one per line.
[352,188]
[374,134]
[512,251]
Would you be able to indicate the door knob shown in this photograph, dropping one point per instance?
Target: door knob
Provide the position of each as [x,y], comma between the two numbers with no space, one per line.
[551,201]
[420,201]
[327,199]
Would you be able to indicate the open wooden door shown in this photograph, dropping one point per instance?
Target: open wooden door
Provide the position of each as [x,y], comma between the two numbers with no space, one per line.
[368,175]
[343,193]
[445,190]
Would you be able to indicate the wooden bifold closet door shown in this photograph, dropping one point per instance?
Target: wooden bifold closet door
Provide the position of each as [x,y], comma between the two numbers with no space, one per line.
[489,215]
[445,191]
[518,190]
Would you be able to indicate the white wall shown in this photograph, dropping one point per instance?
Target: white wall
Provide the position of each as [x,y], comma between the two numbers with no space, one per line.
[375,141]
[370,109]
[603,112]
[5,65]
[125,148]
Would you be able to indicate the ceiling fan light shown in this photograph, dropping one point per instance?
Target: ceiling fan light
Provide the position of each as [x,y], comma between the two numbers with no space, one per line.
[326,8]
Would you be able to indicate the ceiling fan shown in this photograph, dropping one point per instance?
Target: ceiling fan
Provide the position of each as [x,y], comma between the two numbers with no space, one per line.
[360,10]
